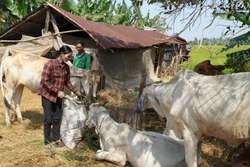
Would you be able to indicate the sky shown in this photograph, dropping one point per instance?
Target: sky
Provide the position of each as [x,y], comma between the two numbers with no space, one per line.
[196,30]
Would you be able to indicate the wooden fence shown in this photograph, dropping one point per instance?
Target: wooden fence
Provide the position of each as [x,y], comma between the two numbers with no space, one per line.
[148,120]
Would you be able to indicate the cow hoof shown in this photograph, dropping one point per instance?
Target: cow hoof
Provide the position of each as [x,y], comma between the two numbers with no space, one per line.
[9,126]
[20,120]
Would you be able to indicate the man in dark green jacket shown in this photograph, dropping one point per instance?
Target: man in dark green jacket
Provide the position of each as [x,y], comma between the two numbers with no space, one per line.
[81,59]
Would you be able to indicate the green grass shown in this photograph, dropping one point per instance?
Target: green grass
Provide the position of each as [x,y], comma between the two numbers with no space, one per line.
[36,143]
[210,52]
[2,123]
[75,157]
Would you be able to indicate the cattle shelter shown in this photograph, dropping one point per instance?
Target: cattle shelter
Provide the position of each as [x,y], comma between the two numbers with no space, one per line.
[122,53]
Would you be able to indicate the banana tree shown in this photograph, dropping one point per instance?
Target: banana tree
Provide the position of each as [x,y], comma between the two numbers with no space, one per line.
[106,11]
[12,11]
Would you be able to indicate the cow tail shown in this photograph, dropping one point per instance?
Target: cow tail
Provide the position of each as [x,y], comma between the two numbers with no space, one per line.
[6,103]
[2,75]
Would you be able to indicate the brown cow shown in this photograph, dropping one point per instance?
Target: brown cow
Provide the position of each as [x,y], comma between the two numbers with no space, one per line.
[206,68]
[22,70]
[243,160]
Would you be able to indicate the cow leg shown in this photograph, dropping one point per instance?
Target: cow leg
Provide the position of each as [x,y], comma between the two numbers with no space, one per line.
[191,143]
[170,133]
[8,97]
[116,157]
[17,99]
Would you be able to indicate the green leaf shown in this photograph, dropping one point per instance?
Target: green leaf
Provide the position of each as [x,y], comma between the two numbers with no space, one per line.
[236,41]
[69,5]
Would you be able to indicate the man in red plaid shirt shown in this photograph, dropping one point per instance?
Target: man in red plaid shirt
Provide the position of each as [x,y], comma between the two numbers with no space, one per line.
[55,76]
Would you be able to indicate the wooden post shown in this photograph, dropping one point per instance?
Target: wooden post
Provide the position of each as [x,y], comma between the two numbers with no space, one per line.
[139,117]
[159,62]
[142,83]
[56,29]
[91,84]
[101,84]
[47,20]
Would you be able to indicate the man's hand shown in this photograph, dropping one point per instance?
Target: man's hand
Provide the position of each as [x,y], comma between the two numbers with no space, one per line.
[60,94]
[79,95]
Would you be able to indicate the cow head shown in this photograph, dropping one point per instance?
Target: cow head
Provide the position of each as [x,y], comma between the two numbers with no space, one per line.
[92,81]
[95,110]
[85,81]
[206,68]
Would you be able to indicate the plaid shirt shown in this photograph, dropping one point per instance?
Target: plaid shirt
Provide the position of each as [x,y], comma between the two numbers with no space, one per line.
[54,76]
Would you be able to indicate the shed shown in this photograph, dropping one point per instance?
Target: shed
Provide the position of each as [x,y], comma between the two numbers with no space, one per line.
[123,53]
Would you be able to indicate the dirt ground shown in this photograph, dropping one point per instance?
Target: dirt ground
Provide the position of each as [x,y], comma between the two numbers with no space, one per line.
[22,145]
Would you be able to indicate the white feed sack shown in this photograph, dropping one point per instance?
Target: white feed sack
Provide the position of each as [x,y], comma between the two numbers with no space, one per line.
[73,122]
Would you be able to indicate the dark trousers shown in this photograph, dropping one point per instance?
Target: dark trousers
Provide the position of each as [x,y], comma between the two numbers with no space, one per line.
[52,119]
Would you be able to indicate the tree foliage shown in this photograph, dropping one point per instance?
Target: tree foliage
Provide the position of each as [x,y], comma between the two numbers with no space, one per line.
[12,11]
[238,10]
[106,11]
[235,10]
[210,41]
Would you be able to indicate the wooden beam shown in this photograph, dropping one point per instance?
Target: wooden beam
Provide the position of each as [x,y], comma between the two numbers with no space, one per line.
[34,23]
[16,41]
[66,24]
[22,32]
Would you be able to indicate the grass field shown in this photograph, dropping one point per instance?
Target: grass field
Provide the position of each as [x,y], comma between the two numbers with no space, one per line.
[210,52]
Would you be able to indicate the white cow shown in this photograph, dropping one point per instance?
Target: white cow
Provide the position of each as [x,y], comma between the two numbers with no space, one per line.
[196,105]
[120,143]
[21,70]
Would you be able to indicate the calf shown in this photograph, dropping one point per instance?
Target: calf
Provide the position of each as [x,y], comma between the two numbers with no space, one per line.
[120,143]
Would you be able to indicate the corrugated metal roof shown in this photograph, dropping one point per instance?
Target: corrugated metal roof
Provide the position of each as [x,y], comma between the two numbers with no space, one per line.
[113,36]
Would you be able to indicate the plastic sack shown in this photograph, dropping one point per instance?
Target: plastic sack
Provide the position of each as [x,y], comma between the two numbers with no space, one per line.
[73,122]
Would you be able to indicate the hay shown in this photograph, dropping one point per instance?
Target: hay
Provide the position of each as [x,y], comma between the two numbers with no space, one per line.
[115,98]
[22,145]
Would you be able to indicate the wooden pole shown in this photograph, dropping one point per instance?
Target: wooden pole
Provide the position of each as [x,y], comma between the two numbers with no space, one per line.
[142,83]
[47,20]
[56,29]
[139,117]
[91,84]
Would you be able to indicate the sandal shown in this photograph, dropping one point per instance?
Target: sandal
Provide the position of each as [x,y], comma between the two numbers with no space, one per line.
[48,147]
[59,143]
